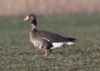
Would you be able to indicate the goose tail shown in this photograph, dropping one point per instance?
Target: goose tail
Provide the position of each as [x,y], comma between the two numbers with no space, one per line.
[70,41]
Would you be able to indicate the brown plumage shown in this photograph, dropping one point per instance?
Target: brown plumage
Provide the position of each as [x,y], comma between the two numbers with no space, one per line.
[56,39]
[53,37]
[36,39]
[39,41]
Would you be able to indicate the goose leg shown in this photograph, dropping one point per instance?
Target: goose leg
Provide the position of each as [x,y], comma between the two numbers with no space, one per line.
[47,51]
[51,53]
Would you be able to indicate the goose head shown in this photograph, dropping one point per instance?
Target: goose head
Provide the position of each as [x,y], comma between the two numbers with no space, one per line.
[32,19]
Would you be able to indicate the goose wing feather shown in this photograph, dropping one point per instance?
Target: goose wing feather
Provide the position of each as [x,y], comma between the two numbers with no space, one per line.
[53,37]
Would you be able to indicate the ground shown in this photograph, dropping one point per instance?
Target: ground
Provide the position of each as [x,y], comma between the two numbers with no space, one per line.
[18,54]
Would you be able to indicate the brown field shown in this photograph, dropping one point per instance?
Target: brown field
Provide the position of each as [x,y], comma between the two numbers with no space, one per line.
[17,7]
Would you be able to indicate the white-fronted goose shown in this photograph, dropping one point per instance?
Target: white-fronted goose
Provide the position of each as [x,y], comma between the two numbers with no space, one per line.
[40,42]
[56,39]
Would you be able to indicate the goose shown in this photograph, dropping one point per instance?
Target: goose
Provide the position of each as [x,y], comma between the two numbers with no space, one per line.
[40,42]
[56,39]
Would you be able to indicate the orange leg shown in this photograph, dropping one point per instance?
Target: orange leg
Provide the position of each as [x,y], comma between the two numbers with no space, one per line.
[47,51]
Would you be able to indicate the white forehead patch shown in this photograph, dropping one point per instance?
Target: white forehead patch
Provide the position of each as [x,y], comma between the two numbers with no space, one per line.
[27,17]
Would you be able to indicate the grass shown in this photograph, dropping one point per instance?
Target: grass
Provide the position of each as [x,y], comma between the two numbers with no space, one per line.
[18,54]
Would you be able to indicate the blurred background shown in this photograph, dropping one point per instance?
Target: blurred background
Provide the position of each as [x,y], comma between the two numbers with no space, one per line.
[20,7]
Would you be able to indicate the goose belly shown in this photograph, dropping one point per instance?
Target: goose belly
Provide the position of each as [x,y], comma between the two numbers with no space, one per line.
[36,43]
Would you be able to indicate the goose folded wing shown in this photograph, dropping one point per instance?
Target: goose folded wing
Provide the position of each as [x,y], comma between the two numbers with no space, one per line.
[53,37]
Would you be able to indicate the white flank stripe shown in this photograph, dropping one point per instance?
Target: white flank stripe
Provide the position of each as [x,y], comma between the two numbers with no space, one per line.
[57,45]
[69,43]
[60,44]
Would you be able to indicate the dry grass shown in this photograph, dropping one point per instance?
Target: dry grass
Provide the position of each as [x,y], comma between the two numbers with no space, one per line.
[16,7]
